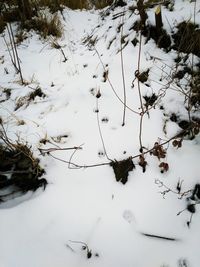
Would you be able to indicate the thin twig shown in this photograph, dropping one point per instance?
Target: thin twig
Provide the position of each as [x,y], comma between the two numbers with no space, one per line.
[108,163]
[111,85]
[162,144]
[16,53]
[140,132]
[51,149]
[138,70]
[70,159]
[192,74]
[80,166]
[122,69]
[100,132]
[160,237]
[11,58]
[181,194]
[65,58]
[140,95]
[85,246]
[78,242]
[10,37]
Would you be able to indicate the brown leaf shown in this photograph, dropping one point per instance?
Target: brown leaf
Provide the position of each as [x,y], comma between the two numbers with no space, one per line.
[164,167]
[158,151]
[142,162]
[177,143]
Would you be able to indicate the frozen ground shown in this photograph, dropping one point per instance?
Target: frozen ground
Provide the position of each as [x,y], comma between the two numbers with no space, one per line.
[87,205]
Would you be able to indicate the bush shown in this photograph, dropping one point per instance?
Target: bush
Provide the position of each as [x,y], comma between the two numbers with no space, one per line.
[45,25]
[187,38]
[31,19]
[101,3]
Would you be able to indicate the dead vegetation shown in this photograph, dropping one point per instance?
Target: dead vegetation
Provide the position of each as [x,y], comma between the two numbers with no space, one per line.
[45,24]
[25,100]
[31,18]
[19,169]
[187,38]
[122,169]
[29,15]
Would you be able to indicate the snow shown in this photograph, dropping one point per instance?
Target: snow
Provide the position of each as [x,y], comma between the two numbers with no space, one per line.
[87,204]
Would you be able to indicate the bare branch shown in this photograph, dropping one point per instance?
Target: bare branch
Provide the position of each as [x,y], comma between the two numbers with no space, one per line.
[44,151]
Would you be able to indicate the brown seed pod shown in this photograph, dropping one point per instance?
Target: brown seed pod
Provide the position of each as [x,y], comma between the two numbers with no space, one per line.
[164,167]
[175,143]
[98,95]
[142,162]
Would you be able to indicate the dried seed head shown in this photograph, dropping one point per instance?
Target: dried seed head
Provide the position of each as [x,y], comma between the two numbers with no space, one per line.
[191,208]
[98,95]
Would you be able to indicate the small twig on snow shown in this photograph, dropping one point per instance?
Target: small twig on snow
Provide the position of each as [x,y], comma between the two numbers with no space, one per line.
[51,149]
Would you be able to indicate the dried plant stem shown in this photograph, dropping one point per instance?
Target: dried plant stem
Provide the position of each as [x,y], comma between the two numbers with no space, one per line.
[11,57]
[100,132]
[111,85]
[140,95]
[12,46]
[16,53]
[192,67]
[15,58]
[140,132]
[123,76]
[139,59]
[195,8]
[78,166]
[47,150]
[160,237]
[70,159]
[167,190]
[65,58]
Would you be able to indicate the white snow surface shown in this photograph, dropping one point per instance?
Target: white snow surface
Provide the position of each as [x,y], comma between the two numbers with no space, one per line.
[87,204]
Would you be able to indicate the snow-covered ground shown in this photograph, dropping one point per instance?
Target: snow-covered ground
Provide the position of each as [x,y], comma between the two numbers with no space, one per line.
[46,228]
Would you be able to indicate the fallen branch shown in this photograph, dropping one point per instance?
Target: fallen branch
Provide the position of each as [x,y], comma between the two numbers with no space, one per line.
[77,166]
[84,247]
[44,151]
[160,237]
[167,190]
